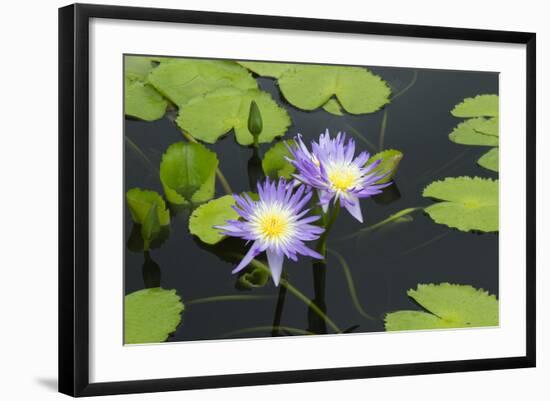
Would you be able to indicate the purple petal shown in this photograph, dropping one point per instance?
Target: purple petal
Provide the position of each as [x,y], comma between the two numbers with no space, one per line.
[275,261]
[251,254]
[354,208]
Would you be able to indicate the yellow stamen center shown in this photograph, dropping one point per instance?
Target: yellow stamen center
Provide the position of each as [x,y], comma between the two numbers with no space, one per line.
[273,225]
[343,178]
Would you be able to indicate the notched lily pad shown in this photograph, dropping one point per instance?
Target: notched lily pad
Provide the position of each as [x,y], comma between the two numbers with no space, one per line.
[213,213]
[188,173]
[447,306]
[389,164]
[151,315]
[333,107]
[469,133]
[211,116]
[267,69]
[140,99]
[479,106]
[140,202]
[466,203]
[275,165]
[489,160]
[181,80]
[358,90]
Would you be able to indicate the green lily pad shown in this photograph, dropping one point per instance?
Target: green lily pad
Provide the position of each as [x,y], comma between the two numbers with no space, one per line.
[137,67]
[140,202]
[275,164]
[487,126]
[390,162]
[468,133]
[489,160]
[188,173]
[449,306]
[466,203]
[213,213]
[359,91]
[181,80]
[266,69]
[333,107]
[151,315]
[209,117]
[140,99]
[479,106]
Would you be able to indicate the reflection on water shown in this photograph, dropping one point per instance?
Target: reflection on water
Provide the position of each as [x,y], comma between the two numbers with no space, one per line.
[366,274]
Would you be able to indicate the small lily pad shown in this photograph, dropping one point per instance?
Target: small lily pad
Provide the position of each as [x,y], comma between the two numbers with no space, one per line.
[140,99]
[140,202]
[466,203]
[333,107]
[151,315]
[479,106]
[468,133]
[449,306]
[188,173]
[253,277]
[358,90]
[489,160]
[181,80]
[213,213]
[266,69]
[213,115]
[275,164]
[389,164]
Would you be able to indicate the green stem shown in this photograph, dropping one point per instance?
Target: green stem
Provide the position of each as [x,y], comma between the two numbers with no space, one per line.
[322,243]
[140,153]
[266,328]
[284,282]
[426,243]
[383,130]
[221,178]
[221,298]
[392,217]
[351,285]
[409,86]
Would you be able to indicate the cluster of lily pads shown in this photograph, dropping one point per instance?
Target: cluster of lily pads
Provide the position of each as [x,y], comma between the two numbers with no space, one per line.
[213,98]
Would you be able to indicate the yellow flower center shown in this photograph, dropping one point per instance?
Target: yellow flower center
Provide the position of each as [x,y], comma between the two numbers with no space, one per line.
[343,177]
[273,225]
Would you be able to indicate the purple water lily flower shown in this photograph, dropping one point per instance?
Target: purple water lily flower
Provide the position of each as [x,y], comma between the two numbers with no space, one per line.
[332,168]
[275,223]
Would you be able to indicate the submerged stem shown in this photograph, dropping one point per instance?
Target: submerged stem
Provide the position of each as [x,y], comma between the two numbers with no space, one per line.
[351,285]
[221,298]
[267,328]
[360,136]
[284,282]
[383,130]
[391,218]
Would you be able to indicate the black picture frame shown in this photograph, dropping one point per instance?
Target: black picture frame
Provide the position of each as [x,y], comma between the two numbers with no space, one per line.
[74,198]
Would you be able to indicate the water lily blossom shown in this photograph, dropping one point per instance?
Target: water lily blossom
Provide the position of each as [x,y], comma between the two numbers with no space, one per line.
[332,168]
[277,223]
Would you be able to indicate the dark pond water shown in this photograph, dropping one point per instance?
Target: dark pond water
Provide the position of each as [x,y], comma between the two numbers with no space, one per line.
[383,264]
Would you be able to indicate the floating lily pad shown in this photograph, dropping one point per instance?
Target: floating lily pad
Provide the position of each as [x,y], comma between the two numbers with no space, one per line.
[275,164]
[489,160]
[266,69]
[479,106]
[181,80]
[359,91]
[188,173]
[450,306]
[140,202]
[333,107]
[140,99]
[389,164]
[209,117]
[487,126]
[466,203]
[151,315]
[214,213]
[467,133]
